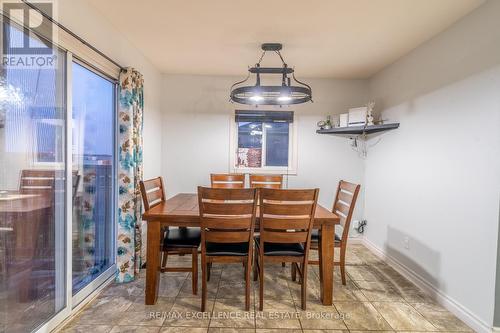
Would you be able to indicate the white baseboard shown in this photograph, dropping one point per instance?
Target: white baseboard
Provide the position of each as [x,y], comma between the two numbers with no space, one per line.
[496,330]
[439,296]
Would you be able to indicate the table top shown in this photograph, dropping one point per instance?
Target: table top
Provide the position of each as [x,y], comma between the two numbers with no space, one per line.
[182,210]
[15,202]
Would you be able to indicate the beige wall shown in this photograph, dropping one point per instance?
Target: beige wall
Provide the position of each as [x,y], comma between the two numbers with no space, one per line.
[436,179]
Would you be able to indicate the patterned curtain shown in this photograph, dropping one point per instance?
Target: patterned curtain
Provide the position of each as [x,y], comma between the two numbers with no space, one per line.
[130,112]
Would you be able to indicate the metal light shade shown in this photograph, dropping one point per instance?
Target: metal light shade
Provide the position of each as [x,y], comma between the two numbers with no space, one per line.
[284,94]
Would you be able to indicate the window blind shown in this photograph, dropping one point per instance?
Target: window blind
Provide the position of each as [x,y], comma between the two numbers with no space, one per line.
[264,116]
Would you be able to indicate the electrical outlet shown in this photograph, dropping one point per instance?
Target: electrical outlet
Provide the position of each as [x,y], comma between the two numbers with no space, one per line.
[406,243]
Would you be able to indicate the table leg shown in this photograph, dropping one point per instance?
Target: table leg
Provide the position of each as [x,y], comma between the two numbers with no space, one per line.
[152,262]
[326,263]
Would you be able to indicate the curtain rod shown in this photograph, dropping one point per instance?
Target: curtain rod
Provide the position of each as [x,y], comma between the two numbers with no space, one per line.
[81,40]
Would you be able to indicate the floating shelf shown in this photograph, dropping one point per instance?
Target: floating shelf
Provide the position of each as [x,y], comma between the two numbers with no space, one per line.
[359,129]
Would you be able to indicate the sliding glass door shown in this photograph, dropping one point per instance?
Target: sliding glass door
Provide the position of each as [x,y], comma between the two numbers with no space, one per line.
[57,182]
[93,161]
[32,190]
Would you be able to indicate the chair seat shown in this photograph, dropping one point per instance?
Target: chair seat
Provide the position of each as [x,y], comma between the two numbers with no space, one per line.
[227,249]
[282,249]
[315,236]
[182,238]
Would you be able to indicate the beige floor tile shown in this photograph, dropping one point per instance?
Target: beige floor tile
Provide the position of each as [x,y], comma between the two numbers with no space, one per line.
[327,331]
[183,330]
[442,320]
[230,330]
[428,307]
[186,312]
[378,291]
[87,328]
[349,292]
[278,314]
[402,316]
[321,317]
[361,316]
[142,318]
[231,313]
[162,304]
[135,329]
[364,273]
[170,285]
[105,310]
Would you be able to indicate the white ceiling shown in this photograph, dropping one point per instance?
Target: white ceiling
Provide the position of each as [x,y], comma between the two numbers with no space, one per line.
[322,38]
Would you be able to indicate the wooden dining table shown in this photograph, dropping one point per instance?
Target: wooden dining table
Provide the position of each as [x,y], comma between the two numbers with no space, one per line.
[182,211]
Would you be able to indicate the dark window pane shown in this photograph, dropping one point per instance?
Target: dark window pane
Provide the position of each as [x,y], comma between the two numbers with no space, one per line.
[277,144]
[249,145]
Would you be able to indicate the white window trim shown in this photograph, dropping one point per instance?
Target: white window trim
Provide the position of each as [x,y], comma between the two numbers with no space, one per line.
[292,153]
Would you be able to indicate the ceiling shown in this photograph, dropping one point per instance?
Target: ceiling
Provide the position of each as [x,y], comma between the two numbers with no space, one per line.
[322,38]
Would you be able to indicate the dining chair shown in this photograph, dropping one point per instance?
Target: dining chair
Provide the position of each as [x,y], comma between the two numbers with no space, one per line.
[343,206]
[227,180]
[285,219]
[266,181]
[227,219]
[179,241]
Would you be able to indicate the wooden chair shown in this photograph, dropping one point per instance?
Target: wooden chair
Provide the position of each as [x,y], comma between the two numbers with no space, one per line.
[175,241]
[229,180]
[286,220]
[227,226]
[343,206]
[266,181]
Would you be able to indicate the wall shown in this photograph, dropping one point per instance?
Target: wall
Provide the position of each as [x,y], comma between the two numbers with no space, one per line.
[436,179]
[196,124]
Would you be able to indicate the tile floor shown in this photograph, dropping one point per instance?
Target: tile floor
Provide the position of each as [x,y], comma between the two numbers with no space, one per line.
[376,298]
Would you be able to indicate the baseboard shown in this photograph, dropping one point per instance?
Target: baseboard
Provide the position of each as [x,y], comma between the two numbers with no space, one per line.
[438,295]
[496,330]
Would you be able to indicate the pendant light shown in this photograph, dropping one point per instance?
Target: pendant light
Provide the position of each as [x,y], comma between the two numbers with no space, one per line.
[287,93]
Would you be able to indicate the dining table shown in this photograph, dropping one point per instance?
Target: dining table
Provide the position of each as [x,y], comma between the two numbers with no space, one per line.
[182,211]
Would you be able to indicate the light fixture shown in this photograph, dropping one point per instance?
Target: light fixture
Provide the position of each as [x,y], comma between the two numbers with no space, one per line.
[284,94]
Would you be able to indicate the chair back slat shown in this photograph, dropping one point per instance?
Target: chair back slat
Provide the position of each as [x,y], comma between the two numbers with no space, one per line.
[266,181]
[286,216]
[345,201]
[232,180]
[37,181]
[227,215]
[153,192]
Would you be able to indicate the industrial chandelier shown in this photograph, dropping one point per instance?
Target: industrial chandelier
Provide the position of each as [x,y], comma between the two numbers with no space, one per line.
[284,94]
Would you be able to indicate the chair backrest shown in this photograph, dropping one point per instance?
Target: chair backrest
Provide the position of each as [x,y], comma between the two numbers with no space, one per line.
[266,181]
[75,183]
[227,215]
[37,181]
[229,180]
[343,206]
[287,216]
[153,192]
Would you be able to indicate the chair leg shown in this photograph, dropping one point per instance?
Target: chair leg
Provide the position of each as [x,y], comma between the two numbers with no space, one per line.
[294,271]
[302,271]
[194,271]
[342,264]
[255,265]
[164,259]
[303,286]
[283,264]
[261,284]
[204,268]
[247,283]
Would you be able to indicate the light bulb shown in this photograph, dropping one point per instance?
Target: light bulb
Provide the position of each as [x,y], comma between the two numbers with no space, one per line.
[256,98]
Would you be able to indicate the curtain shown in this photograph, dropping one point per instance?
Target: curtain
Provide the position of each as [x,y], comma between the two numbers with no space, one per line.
[130,113]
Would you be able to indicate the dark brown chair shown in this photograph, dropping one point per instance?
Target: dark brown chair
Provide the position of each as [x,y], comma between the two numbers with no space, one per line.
[343,206]
[286,220]
[266,181]
[175,240]
[227,224]
[229,180]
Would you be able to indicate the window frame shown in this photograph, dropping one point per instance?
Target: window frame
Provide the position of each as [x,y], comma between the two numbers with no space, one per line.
[291,169]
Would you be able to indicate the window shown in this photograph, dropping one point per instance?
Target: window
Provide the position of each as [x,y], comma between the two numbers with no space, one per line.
[263,141]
